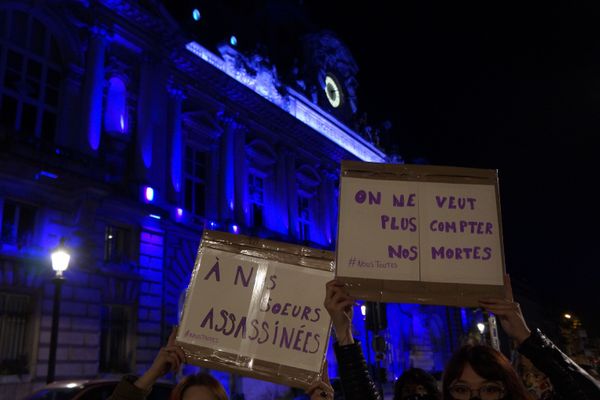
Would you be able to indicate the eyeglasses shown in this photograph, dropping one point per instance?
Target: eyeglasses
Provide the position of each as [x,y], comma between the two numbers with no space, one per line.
[488,391]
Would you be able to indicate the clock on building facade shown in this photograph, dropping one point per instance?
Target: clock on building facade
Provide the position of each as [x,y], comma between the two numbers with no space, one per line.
[330,74]
[333,91]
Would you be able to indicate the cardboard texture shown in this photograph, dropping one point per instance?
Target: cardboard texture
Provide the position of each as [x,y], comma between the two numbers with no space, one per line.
[420,234]
[255,307]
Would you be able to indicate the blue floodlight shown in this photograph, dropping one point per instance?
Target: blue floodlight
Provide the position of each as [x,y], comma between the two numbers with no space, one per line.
[149,194]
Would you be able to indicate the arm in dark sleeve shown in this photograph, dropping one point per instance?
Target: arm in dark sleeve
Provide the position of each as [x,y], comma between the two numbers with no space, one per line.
[568,379]
[356,381]
[126,390]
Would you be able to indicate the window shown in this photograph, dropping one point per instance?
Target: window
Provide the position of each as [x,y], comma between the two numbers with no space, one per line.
[115,112]
[195,180]
[15,316]
[18,222]
[29,76]
[117,244]
[308,182]
[256,189]
[303,217]
[114,338]
[261,161]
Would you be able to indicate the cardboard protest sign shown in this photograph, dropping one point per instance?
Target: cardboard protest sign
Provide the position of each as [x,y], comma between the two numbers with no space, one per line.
[424,234]
[255,307]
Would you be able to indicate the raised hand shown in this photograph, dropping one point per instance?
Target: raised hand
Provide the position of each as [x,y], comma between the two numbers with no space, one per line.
[169,359]
[321,389]
[339,306]
[509,313]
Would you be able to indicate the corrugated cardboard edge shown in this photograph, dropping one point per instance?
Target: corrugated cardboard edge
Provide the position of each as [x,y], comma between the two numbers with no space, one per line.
[264,370]
[450,294]
[268,249]
[420,173]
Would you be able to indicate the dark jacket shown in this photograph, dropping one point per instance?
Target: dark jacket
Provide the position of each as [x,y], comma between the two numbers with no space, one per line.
[568,379]
[126,390]
[356,381]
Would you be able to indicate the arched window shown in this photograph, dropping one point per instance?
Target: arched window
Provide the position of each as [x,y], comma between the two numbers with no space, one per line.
[115,112]
[30,66]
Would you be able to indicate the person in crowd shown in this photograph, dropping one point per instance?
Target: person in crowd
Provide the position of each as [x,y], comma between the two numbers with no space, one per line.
[356,381]
[569,380]
[170,358]
[481,372]
[474,367]
[416,384]
[201,386]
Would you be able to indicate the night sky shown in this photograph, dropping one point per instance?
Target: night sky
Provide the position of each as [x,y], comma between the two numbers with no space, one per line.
[512,88]
[491,85]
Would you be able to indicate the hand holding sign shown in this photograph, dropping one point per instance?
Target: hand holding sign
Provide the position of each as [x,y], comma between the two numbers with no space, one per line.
[321,389]
[169,359]
[339,306]
[509,313]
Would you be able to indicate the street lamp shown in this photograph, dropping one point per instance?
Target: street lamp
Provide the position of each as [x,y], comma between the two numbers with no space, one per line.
[480,327]
[60,262]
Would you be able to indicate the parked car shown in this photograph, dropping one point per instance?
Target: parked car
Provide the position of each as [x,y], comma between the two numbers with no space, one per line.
[98,389]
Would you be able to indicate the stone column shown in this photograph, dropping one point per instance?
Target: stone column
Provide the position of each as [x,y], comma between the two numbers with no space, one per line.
[213,180]
[151,139]
[143,143]
[226,171]
[240,172]
[292,194]
[93,90]
[176,145]
[328,207]
[281,223]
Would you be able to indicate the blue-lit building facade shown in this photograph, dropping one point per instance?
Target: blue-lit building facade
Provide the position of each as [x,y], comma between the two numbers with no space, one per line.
[126,137]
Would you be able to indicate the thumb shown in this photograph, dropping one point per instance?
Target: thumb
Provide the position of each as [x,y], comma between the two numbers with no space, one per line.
[325,373]
[172,336]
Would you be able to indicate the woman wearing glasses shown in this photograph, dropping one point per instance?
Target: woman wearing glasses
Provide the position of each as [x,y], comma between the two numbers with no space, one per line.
[480,372]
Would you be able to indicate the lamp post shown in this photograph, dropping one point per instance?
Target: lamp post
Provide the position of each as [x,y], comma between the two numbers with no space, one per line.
[60,262]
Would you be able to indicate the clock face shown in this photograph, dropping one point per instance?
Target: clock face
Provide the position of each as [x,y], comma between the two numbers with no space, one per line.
[333,91]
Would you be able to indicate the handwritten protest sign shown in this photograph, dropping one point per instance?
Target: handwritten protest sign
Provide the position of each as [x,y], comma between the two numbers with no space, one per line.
[255,307]
[419,233]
